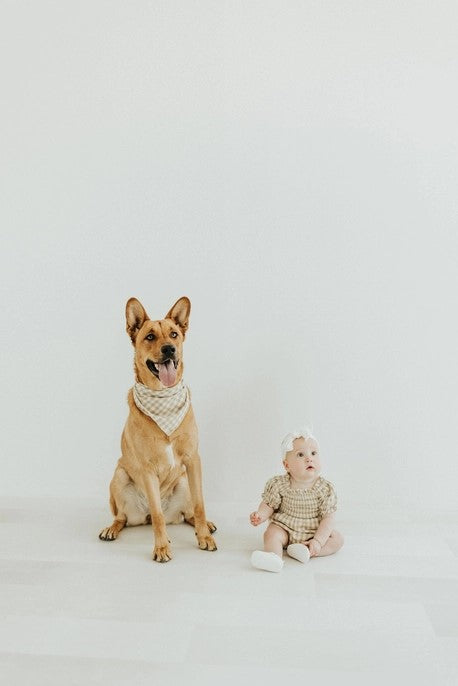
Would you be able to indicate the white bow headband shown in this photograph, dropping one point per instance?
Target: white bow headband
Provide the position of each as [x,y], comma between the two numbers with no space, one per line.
[287,442]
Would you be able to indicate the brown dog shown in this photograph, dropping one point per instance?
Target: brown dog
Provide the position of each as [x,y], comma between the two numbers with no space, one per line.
[158,478]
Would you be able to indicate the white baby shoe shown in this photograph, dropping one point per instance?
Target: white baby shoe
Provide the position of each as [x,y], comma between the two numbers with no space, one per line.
[299,551]
[270,562]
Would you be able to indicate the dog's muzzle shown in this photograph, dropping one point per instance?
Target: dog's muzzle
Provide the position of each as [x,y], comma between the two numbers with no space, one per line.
[165,371]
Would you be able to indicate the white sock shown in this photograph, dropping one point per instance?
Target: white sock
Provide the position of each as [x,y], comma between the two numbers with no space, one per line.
[299,551]
[270,562]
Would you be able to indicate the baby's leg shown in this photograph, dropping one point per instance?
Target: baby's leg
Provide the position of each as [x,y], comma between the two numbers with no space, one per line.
[275,538]
[270,559]
[332,545]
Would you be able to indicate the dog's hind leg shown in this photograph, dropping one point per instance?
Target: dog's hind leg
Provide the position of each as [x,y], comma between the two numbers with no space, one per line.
[110,533]
[118,483]
[211,527]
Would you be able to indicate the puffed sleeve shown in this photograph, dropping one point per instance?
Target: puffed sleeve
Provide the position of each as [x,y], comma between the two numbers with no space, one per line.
[271,495]
[328,500]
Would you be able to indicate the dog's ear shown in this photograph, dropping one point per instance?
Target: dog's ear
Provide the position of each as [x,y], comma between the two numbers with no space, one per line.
[179,313]
[135,317]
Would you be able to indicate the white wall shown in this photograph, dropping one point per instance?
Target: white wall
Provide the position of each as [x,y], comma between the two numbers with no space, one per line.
[291,167]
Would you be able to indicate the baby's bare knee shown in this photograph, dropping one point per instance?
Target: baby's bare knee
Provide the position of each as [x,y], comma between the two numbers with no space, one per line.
[274,533]
[338,539]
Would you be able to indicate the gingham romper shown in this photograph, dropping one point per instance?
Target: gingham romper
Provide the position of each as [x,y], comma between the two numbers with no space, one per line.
[296,510]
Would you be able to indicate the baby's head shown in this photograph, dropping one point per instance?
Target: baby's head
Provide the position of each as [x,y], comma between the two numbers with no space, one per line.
[300,453]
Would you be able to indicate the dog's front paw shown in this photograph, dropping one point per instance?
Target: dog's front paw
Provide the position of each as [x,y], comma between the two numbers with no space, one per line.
[206,542]
[162,553]
[211,527]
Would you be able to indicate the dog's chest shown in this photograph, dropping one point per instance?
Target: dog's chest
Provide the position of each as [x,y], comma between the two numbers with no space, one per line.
[167,463]
[170,455]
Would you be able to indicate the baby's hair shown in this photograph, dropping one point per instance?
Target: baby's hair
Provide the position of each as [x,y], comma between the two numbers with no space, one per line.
[287,442]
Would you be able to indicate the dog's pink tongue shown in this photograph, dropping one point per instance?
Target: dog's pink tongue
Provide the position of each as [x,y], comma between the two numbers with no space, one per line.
[167,373]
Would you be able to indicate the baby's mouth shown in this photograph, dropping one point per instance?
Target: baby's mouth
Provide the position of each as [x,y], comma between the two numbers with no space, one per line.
[310,466]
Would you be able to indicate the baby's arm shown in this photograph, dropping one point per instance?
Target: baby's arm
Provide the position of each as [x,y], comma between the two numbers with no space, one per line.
[321,534]
[262,513]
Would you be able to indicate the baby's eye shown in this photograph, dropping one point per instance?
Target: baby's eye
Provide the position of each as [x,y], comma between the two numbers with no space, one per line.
[300,454]
[313,452]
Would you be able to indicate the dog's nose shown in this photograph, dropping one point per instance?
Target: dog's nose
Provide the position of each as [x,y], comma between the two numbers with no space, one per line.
[168,350]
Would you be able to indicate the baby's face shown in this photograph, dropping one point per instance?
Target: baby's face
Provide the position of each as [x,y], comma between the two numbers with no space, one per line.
[303,461]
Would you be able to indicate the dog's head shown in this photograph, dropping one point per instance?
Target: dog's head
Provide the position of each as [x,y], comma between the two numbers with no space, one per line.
[158,344]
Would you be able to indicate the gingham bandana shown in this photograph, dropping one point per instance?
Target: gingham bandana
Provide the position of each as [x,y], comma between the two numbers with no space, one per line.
[167,407]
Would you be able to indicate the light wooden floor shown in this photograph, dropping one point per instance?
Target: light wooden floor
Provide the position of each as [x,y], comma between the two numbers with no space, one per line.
[76,610]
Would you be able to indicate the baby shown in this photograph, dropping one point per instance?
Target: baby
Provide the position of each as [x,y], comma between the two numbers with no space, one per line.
[300,505]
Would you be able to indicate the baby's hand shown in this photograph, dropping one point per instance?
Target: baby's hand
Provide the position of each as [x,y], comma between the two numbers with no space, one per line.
[314,547]
[255,518]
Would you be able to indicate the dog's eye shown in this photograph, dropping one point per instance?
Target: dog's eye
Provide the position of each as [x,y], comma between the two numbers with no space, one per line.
[173,334]
[150,337]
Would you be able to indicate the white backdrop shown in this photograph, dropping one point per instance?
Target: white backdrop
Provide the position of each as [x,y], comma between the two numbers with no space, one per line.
[289,166]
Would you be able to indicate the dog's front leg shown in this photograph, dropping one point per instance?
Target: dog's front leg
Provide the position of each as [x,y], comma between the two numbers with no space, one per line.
[161,551]
[194,470]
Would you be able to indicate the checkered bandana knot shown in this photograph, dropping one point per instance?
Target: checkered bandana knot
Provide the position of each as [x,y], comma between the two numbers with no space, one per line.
[167,407]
